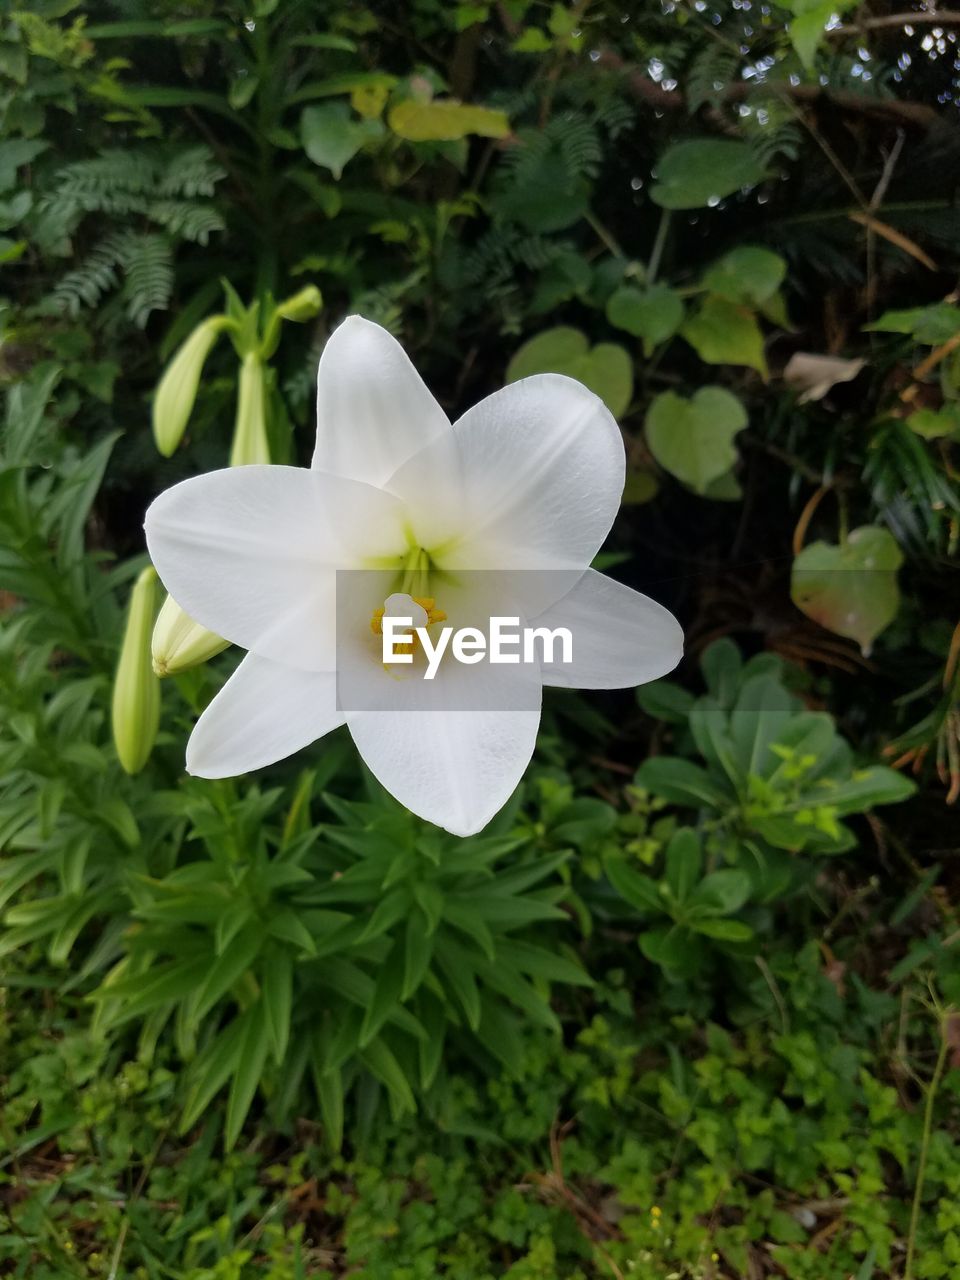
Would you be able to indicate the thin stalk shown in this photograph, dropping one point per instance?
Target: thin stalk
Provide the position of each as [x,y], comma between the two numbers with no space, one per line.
[932,1089]
[653,266]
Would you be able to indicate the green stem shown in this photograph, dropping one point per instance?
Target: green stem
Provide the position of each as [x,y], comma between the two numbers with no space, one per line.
[932,1090]
[659,244]
[606,237]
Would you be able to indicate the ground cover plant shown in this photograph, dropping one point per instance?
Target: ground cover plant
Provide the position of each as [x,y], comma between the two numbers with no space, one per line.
[689,1006]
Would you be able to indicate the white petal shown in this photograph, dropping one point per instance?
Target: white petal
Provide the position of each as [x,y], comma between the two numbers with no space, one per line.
[251,553]
[265,712]
[453,765]
[541,465]
[373,409]
[620,637]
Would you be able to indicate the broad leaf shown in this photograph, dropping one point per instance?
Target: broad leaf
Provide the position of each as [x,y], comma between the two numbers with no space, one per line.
[850,589]
[606,368]
[724,332]
[701,172]
[445,121]
[693,439]
[748,274]
[653,314]
[331,136]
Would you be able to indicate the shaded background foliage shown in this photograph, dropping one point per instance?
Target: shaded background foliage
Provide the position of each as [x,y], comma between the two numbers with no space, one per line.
[687,1007]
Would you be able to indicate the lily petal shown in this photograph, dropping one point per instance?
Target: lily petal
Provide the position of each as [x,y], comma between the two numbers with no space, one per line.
[373,408]
[251,553]
[620,637]
[543,470]
[450,764]
[265,712]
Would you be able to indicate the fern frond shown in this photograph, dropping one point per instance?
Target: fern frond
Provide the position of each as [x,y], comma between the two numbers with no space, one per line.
[712,69]
[772,131]
[86,284]
[192,173]
[109,173]
[185,220]
[147,265]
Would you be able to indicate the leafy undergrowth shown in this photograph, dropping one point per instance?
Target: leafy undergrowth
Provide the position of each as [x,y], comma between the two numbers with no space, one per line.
[646,1145]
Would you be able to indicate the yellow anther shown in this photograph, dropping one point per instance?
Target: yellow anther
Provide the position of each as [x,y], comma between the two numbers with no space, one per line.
[428,604]
[376,622]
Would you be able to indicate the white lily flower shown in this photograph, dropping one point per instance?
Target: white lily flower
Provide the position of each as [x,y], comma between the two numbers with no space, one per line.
[529,479]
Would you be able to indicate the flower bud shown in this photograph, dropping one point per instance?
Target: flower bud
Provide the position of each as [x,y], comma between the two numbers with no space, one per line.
[250,432]
[177,390]
[179,643]
[136,690]
[301,306]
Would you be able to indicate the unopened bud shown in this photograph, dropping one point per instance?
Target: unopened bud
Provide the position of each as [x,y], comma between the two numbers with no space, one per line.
[179,643]
[136,690]
[250,432]
[177,390]
[301,306]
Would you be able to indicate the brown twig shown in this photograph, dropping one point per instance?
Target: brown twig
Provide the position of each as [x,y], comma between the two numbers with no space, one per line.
[886,110]
[893,20]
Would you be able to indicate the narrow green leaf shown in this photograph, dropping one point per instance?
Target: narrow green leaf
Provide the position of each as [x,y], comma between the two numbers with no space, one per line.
[228,968]
[386,993]
[253,1056]
[418,950]
[277,984]
[378,1059]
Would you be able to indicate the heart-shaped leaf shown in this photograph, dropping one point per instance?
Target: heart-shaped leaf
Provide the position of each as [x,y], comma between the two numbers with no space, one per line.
[723,332]
[606,368]
[701,172]
[332,137]
[850,589]
[693,439]
[747,274]
[653,314]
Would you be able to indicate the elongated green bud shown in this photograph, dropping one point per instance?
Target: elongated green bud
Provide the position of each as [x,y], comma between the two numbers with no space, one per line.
[301,306]
[250,432]
[177,390]
[136,690]
[179,643]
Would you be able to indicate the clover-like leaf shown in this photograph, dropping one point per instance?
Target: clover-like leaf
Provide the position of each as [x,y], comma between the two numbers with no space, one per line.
[850,589]
[693,439]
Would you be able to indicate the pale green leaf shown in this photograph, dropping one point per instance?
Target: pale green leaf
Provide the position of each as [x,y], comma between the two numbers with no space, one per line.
[693,439]
[850,589]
